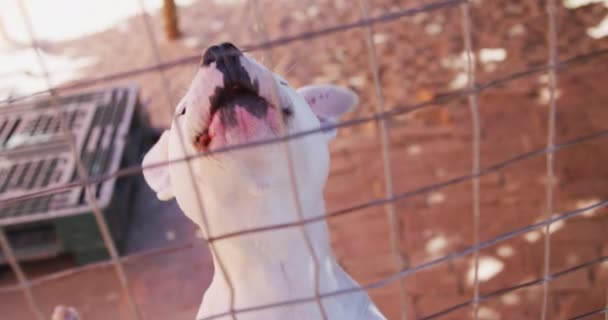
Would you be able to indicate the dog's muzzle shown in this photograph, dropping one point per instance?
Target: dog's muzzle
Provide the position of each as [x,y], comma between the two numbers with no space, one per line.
[238,87]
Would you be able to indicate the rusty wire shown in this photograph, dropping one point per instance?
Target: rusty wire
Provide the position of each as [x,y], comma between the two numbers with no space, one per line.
[293,188]
[264,45]
[467,31]
[82,173]
[398,110]
[588,315]
[552,67]
[387,166]
[449,257]
[551,123]
[505,290]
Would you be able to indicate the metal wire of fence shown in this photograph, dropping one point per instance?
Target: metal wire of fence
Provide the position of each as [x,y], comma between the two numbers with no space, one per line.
[83,175]
[476,147]
[380,116]
[170,106]
[551,123]
[398,110]
[395,228]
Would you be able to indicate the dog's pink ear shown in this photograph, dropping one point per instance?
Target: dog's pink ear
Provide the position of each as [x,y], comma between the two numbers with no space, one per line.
[329,102]
[158,178]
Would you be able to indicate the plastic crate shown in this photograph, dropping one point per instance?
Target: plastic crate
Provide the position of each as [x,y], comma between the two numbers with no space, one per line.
[35,156]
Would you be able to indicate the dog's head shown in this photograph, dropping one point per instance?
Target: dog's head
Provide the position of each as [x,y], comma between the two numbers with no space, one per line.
[235,100]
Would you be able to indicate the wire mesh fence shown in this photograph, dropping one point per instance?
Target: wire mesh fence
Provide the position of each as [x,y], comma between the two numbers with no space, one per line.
[381,115]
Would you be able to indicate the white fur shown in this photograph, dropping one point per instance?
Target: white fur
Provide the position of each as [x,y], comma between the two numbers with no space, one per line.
[250,188]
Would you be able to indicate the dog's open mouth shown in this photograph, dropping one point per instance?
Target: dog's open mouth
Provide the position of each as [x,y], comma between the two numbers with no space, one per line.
[227,99]
[237,110]
[241,109]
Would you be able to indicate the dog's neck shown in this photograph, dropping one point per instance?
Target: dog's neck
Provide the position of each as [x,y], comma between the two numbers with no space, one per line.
[271,264]
[273,206]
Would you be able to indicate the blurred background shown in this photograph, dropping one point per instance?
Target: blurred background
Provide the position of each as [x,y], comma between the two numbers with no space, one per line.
[99,56]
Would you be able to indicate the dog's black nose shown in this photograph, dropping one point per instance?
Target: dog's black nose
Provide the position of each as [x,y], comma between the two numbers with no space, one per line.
[225,53]
[226,58]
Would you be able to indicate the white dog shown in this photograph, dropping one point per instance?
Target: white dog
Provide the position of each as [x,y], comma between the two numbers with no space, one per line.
[234,100]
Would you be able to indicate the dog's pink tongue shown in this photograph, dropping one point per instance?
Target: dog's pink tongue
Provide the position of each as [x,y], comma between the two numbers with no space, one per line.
[248,128]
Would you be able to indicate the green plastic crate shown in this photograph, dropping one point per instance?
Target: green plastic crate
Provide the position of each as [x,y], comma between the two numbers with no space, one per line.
[34,156]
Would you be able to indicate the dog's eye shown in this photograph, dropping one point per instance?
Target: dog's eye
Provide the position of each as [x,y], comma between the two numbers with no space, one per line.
[183,112]
[283,82]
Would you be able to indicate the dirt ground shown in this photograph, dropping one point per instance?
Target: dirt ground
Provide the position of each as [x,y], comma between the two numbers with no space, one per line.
[419,58]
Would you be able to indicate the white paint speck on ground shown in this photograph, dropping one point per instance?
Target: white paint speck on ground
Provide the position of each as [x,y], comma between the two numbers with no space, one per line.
[584,203]
[433,29]
[357,81]
[488,313]
[544,95]
[555,226]
[380,38]
[489,267]
[516,30]
[505,251]
[487,55]
[510,299]
[414,150]
[455,62]
[599,31]
[575,4]
[435,198]
[532,236]
[460,81]
[489,58]
[436,245]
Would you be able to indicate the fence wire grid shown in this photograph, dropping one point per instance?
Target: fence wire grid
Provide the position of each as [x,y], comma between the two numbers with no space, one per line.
[402,268]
